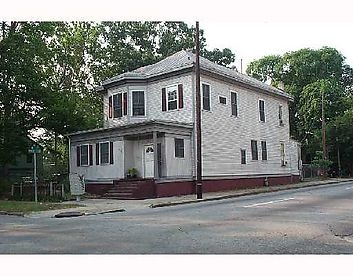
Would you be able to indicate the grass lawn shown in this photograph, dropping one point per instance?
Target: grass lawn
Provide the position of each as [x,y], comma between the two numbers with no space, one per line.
[28,206]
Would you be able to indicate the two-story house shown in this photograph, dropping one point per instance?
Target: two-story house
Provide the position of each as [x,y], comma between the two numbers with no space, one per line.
[149,118]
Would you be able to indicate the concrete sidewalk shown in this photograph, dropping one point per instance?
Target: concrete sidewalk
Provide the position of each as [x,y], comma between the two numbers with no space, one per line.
[101,206]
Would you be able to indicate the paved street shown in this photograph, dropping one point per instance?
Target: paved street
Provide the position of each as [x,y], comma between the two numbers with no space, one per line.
[312,220]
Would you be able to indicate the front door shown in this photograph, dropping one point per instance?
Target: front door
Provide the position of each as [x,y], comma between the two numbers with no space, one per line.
[149,161]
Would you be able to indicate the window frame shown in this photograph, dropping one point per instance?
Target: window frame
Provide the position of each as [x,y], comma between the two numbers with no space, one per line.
[88,154]
[236,103]
[167,96]
[202,96]
[254,150]
[179,152]
[100,153]
[262,112]
[282,154]
[243,156]
[280,115]
[116,96]
[132,102]
[264,154]
[222,97]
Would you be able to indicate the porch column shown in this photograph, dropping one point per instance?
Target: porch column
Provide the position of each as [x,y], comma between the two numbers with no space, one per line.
[155,155]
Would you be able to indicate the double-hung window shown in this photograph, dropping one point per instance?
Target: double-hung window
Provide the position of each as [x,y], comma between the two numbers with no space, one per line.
[254,152]
[262,110]
[84,155]
[104,152]
[172,94]
[263,150]
[234,103]
[206,97]
[138,103]
[118,105]
[282,154]
[280,115]
[179,147]
[243,156]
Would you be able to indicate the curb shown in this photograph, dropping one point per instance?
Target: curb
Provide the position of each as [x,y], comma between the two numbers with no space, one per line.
[18,214]
[80,214]
[273,189]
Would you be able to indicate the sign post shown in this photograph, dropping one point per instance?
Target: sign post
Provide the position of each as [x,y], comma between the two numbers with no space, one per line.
[35,149]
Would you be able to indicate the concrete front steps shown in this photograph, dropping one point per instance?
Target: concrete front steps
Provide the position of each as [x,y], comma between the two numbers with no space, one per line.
[132,189]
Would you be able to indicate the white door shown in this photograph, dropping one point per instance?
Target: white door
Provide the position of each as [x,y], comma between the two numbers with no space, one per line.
[149,161]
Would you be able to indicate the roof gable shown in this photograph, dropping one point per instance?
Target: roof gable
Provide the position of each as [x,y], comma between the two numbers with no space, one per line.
[186,59]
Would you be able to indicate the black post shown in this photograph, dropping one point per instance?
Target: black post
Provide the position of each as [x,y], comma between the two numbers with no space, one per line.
[198,117]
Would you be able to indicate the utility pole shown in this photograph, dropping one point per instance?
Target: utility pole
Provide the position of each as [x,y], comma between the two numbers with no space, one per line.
[324,150]
[198,117]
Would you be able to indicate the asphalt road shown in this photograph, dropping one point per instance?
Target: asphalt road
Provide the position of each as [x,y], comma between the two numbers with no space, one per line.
[313,220]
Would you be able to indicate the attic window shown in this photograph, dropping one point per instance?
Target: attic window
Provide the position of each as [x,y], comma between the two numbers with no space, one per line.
[222,100]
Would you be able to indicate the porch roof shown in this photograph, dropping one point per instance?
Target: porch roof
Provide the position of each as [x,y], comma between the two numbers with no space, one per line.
[139,128]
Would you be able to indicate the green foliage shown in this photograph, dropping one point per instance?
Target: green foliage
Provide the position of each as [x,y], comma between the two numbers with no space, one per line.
[321,163]
[132,172]
[224,57]
[28,207]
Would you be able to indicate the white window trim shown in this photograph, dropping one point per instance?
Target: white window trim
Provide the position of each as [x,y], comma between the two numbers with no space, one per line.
[177,96]
[122,105]
[230,103]
[202,97]
[100,153]
[88,154]
[219,100]
[266,150]
[258,110]
[131,103]
[183,148]
[282,158]
[280,120]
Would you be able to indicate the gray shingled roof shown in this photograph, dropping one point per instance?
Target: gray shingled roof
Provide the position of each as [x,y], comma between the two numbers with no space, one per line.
[186,59]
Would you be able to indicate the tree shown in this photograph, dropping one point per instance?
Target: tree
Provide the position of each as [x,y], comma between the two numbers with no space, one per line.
[22,54]
[224,57]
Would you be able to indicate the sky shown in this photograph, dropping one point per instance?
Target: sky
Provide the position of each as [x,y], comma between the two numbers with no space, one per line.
[250,28]
[253,40]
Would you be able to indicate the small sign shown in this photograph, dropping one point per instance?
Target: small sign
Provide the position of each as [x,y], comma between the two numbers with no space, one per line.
[77,184]
[35,149]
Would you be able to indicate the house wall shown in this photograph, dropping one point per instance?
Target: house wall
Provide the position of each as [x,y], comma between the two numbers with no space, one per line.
[104,173]
[178,167]
[224,135]
[153,102]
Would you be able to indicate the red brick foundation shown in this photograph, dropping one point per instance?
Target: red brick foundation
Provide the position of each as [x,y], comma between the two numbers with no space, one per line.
[217,185]
[178,188]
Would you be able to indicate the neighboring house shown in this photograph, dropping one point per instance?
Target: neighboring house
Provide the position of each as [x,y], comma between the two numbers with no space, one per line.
[149,118]
[23,165]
